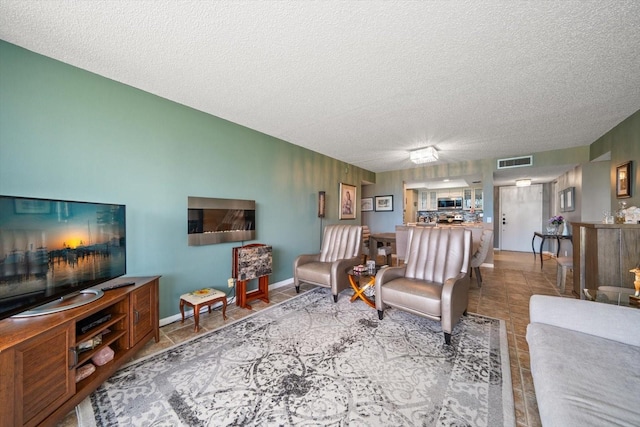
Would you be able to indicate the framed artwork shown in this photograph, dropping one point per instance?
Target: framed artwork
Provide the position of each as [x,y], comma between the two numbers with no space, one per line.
[384,203]
[623,180]
[569,199]
[561,200]
[366,204]
[347,201]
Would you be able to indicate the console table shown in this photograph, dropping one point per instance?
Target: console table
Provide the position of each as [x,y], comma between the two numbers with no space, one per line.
[545,236]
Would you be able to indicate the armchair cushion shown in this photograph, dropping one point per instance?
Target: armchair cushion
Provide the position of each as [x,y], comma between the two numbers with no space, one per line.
[416,296]
[315,272]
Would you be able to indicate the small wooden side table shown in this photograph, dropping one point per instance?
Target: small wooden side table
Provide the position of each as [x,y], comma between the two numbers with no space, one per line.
[354,280]
[203,297]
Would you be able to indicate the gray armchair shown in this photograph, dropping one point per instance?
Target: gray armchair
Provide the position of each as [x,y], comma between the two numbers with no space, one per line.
[434,282]
[341,245]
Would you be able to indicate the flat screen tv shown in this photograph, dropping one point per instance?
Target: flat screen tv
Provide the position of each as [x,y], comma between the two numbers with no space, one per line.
[52,249]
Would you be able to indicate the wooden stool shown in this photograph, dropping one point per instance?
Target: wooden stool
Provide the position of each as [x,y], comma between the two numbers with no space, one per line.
[198,299]
[564,264]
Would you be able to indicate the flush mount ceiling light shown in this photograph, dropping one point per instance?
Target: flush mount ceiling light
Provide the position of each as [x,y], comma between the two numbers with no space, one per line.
[424,155]
[523,182]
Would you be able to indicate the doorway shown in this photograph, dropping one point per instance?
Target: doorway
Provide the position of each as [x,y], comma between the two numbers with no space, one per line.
[520,216]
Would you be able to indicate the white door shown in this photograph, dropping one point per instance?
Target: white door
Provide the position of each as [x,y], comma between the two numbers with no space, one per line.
[520,216]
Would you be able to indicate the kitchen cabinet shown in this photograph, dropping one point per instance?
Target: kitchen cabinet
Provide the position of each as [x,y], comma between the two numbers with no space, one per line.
[472,199]
[478,198]
[451,192]
[428,200]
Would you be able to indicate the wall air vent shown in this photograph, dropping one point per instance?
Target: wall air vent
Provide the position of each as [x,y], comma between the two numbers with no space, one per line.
[515,162]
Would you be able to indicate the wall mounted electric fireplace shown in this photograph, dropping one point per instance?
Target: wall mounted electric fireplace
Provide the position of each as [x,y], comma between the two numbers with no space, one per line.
[212,221]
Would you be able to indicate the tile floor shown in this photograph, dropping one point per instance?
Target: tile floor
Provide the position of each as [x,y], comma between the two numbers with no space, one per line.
[504,294]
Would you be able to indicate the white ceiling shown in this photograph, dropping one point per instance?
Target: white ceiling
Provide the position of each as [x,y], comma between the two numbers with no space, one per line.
[364,82]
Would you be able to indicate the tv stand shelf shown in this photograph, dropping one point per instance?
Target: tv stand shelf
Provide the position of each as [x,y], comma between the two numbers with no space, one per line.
[39,355]
[107,339]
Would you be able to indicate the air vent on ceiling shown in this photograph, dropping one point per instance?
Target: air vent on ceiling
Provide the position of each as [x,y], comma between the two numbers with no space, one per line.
[515,162]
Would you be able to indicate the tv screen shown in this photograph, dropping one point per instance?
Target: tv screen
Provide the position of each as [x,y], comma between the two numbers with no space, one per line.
[52,248]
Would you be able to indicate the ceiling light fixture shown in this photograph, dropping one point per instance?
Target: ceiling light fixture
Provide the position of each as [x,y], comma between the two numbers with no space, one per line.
[523,182]
[424,155]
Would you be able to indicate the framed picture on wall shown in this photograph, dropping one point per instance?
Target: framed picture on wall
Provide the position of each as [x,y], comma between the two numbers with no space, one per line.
[561,200]
[366,204]
[569,199]
[347,201]
[623,180]
[384,203]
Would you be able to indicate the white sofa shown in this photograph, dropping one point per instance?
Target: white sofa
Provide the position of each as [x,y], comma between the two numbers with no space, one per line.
[585,362]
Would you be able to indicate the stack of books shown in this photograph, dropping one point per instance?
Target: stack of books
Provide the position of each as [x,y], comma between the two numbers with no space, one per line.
[360,269]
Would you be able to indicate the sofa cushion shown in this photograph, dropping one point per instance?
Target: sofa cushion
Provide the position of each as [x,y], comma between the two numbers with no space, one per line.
[583,380]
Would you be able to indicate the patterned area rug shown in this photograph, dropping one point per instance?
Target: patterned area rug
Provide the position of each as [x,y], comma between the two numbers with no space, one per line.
[312,362]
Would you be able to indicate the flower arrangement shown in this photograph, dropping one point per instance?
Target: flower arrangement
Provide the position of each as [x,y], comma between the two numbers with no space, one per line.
[556,220]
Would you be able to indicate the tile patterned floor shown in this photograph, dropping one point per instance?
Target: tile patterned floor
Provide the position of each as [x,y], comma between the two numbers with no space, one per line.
[504,294]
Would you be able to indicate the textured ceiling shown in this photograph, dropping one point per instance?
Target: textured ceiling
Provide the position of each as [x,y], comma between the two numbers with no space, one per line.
[364,82]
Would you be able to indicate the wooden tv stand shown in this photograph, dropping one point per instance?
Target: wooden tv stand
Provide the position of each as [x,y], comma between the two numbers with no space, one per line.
[39,355]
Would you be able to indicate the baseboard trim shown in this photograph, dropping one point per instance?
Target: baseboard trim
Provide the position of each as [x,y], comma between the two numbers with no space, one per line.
[188,312]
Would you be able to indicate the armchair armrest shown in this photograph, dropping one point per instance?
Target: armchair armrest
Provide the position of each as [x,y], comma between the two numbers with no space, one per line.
[305,259]
[340,266]
[339,276]
[454,299]
[453,285]
[385,276]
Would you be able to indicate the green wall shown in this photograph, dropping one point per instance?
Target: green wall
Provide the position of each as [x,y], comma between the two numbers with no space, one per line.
[623,141]
[69,134]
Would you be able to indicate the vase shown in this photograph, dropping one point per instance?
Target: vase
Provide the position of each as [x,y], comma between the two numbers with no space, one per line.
[552,229]
[559,229]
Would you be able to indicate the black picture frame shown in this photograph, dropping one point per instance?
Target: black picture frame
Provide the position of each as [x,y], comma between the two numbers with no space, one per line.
[623,180]
[384,203]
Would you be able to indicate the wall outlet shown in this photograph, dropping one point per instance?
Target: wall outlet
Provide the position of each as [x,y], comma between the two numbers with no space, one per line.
[231,282]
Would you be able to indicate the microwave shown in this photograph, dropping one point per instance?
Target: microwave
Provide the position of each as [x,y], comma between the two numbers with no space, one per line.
[450,203]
